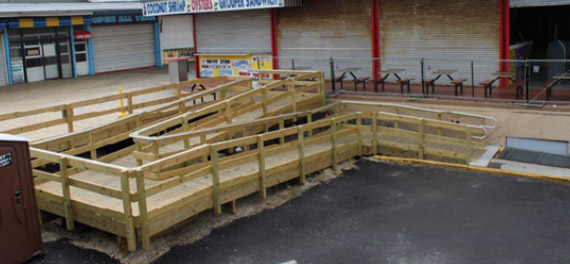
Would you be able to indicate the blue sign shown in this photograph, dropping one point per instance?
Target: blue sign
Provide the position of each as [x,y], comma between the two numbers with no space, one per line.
[121,19]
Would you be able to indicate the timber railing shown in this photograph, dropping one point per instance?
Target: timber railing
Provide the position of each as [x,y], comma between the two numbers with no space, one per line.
[71,113]
[92,139]
[150,139]
[318,144]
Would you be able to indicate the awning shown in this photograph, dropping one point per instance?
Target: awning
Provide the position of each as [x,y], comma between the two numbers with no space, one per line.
[31,22]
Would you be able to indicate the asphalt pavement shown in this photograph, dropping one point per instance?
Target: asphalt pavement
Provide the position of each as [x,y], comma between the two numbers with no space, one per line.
[382,213]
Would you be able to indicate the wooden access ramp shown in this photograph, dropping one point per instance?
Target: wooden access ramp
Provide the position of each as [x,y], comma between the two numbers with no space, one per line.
[213,155]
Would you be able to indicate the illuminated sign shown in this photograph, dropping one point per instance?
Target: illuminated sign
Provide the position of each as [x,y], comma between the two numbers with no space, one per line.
[173,7]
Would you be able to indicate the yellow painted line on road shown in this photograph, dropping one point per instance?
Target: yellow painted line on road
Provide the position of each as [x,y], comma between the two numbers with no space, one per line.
[473,168]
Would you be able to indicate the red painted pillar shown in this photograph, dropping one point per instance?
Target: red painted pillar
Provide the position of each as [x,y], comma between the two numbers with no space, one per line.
[274,39]
[196,57]
[505,35]
[375,19]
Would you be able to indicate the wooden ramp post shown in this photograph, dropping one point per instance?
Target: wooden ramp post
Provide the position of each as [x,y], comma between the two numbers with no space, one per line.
[143,213]
[301,143]
[127,210]
[215,180]
[261,158]
[66,193]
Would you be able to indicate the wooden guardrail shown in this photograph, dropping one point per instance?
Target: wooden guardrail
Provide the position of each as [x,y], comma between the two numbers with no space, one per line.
[118,130]
[322,131]
[399,109]
[175,169]
[69,112]
[149,140]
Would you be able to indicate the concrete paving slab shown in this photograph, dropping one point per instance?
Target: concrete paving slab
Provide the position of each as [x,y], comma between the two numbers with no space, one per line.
[531,168]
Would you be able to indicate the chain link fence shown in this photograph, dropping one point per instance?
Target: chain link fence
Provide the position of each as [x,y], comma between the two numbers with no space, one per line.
[511,81]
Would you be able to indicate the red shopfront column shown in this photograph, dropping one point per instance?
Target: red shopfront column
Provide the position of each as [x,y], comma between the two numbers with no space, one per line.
[375,19]
[196,57]
[274,40]
[505,33]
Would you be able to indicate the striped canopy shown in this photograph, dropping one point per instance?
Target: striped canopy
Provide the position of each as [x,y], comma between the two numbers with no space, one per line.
[31,22]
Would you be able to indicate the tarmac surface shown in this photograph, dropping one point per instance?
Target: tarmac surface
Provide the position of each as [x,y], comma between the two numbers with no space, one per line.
[383,213]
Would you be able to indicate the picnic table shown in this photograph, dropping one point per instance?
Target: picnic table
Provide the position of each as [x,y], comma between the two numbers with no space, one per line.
[387,73]
[488,84]
[351,71]
[548,85]
[438,73]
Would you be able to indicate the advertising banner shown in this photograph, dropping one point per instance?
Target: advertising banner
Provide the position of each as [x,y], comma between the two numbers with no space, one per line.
[234,65]
[173,7]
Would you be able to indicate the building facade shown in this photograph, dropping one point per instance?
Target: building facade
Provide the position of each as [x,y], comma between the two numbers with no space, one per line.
[68,39]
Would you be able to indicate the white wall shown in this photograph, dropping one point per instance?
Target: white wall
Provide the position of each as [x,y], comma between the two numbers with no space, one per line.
[176,32]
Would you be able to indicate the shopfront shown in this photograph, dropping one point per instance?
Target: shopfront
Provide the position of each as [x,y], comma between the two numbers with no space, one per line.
[125,41]
[230,37]
[42,48]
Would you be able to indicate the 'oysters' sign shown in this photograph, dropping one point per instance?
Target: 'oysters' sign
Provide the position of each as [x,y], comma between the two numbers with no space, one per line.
[173,7]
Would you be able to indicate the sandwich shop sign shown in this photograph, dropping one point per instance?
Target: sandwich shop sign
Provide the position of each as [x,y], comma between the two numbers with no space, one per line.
[173,7]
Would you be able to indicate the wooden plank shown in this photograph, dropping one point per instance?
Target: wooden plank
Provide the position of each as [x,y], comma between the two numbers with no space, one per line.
[374,133]
[261,153]
[127,211]
[66,194]
[301,143]
[46,175]
[421,138]
[21,114]
[143,212]
[333,144]
[215,180]
[33,127]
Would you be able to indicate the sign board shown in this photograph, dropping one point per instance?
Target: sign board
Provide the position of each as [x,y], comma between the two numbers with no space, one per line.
[177,53]
[234,65]
[81,35]
[121,19]
[173,7]
[5,159]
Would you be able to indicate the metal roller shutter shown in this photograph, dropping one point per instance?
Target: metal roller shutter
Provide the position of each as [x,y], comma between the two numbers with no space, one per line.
[531,3]
[121,47]
[3,79]
[443,33]
[172,27]
[312,34]
[234,32]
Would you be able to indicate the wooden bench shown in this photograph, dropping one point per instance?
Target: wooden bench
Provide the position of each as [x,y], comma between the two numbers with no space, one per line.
[458,83]
[340,80]
[362,80]
[200,88]
[548,86]
[488,84]
[403,82]
[519,86]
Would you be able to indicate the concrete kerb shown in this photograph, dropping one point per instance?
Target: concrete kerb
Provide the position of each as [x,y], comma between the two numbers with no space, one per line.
[494,171]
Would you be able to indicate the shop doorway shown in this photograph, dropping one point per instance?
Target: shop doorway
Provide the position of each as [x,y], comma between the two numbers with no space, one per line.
[543,30]
[81,55]
[46,54]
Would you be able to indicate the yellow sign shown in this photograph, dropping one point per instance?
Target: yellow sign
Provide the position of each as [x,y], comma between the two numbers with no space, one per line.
[234,64]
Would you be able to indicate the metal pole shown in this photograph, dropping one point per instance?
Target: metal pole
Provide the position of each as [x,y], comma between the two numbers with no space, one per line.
[422,65]
[472,79]
[527,80]
[293,64]
[332,76]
